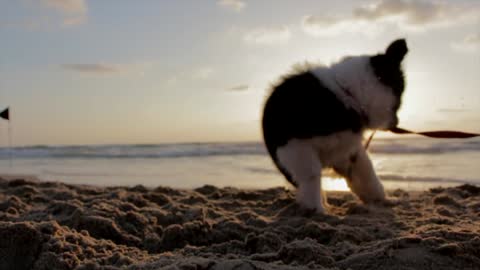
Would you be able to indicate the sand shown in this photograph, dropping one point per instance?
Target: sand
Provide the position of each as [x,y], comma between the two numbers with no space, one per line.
[52,225]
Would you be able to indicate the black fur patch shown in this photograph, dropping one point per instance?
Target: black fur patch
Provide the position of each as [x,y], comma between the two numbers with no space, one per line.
[302,107]
[388,73]
[387,68]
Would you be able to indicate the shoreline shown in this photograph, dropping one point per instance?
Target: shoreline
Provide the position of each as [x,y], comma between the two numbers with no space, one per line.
[53,225]
[331,182]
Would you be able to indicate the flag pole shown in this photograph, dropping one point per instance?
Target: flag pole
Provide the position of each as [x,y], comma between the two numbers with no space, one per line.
[10,142]
[5,114]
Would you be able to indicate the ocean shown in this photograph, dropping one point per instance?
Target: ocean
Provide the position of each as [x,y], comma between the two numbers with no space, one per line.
[407,163]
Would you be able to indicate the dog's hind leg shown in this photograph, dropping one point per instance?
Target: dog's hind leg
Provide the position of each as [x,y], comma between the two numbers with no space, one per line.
[301,161]
[361,177]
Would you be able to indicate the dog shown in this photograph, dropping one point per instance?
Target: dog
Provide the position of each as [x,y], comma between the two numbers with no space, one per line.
[314,118]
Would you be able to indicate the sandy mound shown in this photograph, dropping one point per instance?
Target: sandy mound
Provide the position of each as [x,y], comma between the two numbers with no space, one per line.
[46,225]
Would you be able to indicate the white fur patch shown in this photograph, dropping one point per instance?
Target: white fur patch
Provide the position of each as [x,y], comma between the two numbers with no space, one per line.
[369,95]
[304,159]
[299,158]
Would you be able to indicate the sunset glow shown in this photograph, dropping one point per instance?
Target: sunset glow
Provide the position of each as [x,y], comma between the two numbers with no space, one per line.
[335,184]
[98,72]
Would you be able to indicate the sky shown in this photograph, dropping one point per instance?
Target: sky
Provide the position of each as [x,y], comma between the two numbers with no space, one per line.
[118,71]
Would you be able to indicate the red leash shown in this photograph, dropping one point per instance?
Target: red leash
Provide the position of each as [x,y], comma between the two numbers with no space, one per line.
[437,134]
[447,134]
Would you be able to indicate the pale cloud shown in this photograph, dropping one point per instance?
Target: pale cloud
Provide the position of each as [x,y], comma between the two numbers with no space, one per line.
[48,14]
[92,68]
[268,36]
[67,6]
[409,12]
[203,73]
[327,26]
[139,68]
[73,12]
[239,88]
[71,21]
[408,15]
[237,5]
[470,44]
[182,77]
[172,81]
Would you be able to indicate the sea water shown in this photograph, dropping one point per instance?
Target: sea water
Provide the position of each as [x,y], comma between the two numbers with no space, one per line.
[407,163]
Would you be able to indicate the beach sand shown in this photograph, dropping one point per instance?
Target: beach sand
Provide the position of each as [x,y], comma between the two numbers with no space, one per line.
[51,225]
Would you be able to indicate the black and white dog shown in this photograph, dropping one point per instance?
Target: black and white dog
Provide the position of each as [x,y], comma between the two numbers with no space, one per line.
[315,119]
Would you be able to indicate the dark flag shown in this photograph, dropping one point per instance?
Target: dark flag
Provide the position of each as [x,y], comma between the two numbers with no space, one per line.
[5,114]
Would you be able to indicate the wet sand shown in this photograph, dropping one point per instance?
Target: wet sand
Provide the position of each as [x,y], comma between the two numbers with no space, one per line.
[52,225]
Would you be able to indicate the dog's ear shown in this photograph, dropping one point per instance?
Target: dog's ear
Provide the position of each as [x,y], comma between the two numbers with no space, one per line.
[397,50]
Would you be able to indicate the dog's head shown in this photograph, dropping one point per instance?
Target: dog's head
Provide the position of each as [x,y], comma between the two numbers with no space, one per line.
[387,68]
[377,82]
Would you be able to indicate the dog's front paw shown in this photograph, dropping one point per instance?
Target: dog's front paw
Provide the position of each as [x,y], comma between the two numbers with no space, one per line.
[312,206]
[296,209]
[308,212]
[373,196]
[385,202]
[389,202]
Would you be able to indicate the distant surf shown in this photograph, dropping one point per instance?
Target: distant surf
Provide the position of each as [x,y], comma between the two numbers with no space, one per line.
[191,150]
[411,163]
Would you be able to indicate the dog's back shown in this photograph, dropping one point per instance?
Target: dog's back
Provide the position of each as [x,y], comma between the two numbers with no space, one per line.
[302,107]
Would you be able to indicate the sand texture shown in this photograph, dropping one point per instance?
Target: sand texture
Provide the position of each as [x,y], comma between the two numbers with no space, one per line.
[50,225]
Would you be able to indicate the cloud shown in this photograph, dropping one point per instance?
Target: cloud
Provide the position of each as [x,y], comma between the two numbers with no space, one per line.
[139,68]
[267,36]
[237,5]
[67,6]
[239,88]
[74,12]
[328,26]
[470,44]
[47,14]
[203,73]
[409,12]
[407,15]
[172,80]
[92,68]
[71,21]
[473,39]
